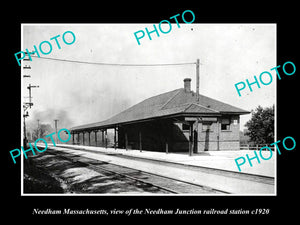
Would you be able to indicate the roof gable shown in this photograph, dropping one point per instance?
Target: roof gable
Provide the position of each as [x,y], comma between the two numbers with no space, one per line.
[196,108]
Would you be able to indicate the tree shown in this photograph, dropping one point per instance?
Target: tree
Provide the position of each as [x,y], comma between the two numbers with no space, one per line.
[261,125]
[42,131]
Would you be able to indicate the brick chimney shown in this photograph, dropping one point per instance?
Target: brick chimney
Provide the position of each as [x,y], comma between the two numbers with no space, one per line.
[187,84]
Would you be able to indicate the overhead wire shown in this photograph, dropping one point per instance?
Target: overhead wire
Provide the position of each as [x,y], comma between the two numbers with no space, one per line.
[116,64]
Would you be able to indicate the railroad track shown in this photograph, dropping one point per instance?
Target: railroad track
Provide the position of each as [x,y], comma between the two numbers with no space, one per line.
[169,185]
[239,175]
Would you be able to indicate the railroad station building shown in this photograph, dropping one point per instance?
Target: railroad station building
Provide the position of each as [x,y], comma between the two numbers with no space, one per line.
[176,121]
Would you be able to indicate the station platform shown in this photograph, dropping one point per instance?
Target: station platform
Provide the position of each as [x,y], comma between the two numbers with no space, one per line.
[223,160]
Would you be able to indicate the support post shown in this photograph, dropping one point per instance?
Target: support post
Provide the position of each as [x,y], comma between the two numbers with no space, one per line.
[83,138]
[140,141]
[126,141]
[89,138]
[95,138]
[105,138]
[191,139]
[218,134]
[195,141]
[102,131]
[115,138]
[78,140]
[166,132]
[73,134]
[167,147]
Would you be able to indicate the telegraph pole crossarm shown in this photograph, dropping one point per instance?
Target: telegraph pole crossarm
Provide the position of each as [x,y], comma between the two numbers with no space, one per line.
[29,88]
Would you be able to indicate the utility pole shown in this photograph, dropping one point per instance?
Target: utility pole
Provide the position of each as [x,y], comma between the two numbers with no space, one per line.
[38,129]
[25,114]
[192,145]
[55,121]
[26,105]
[197,79]
[30,97]
[27,67]
[25,108]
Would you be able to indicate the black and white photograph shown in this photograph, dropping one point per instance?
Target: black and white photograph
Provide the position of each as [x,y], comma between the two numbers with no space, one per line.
[138,112]
[156,118]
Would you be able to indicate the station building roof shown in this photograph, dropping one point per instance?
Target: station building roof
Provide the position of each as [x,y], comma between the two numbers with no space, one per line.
[179,102]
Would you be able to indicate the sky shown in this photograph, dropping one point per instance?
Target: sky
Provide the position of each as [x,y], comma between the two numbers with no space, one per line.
[77,93]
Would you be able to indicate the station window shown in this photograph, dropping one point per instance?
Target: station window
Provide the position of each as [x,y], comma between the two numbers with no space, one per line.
[185,127]
[235,122]
[225,124]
